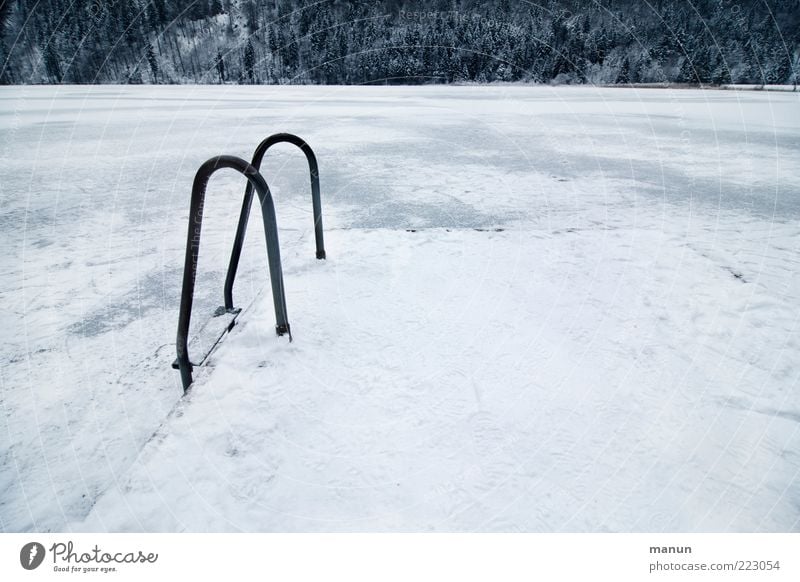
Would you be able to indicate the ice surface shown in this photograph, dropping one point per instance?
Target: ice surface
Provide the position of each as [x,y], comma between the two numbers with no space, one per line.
[622,355]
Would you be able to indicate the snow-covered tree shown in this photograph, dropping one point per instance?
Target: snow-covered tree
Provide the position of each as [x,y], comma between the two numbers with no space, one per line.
[358,42]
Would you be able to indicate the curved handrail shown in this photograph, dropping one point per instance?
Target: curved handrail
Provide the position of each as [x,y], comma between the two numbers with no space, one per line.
[258,156]
[257,182]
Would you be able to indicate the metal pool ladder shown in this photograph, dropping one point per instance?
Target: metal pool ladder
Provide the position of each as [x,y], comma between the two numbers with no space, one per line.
[224,318]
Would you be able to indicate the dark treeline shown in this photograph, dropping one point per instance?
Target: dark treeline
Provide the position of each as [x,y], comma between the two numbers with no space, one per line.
[336,41]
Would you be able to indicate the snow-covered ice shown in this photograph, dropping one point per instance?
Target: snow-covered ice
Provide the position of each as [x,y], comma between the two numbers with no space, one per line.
[543,309]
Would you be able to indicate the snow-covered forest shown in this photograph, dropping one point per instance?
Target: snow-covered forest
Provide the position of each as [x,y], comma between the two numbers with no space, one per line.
[348,42]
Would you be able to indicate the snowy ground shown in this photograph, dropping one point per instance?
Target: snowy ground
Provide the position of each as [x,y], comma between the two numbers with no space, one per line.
[544,309]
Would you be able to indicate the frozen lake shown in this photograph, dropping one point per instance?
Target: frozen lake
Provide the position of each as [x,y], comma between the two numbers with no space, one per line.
[544,309]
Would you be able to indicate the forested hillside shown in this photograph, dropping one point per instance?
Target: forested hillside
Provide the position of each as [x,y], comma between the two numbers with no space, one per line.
[336,41]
